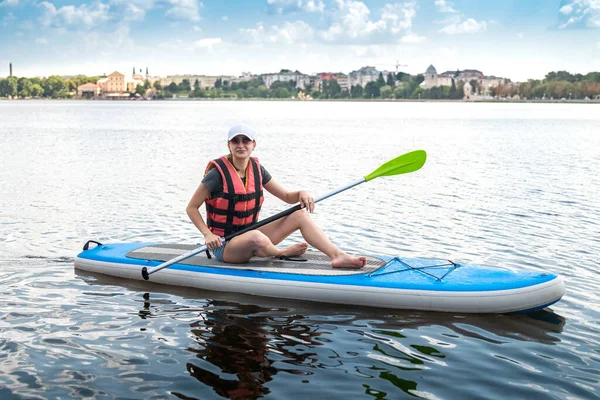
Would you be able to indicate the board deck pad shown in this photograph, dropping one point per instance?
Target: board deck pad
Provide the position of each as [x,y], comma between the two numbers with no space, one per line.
[317,263]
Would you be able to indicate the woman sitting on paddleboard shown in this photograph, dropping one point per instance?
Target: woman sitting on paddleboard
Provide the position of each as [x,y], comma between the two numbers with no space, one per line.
[232,190]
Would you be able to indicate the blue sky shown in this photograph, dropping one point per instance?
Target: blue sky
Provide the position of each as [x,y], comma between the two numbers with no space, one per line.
[517,39]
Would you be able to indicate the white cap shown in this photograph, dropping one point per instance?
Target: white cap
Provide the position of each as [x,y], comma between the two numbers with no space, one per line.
[241,130]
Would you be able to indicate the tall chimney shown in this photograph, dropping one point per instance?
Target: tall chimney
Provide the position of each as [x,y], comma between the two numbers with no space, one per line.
[10,67]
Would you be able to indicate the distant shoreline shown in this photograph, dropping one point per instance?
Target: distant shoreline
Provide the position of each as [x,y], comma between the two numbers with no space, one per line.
[184,99]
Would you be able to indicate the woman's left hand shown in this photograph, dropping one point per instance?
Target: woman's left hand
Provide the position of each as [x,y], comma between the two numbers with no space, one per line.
[306,200]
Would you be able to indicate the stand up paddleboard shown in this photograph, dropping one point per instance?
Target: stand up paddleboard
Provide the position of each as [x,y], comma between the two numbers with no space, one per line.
[387,282]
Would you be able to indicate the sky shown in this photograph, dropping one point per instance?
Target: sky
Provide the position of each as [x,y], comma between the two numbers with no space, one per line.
[515,39]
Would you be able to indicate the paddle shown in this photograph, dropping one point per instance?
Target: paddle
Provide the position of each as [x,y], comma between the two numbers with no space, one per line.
[403,164]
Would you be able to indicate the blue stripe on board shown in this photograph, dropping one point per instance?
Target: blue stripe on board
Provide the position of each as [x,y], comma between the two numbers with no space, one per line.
[470,278]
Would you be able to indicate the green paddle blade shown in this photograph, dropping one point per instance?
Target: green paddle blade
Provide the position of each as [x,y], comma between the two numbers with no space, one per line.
[409,162]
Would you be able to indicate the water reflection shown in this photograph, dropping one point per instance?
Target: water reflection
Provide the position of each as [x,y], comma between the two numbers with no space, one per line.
[238,346]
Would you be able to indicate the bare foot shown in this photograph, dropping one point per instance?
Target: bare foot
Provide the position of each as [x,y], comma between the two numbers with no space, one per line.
[347,261]
[295,250]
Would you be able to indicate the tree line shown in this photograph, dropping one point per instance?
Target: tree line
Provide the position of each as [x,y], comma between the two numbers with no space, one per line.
[53,87]
[555,85]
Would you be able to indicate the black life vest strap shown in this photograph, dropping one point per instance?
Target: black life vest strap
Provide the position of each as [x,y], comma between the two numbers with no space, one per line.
[240,214]
[220,225]
[257,189]
[236,197]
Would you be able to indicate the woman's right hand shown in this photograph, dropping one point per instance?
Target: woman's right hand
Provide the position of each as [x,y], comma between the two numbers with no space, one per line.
[212,241]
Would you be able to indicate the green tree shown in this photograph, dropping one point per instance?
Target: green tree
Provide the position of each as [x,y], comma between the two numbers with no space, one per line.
[196,84]
[418,79]
[26,86]
[380,81]
[173,88]
[218,83]
[281,93]
[157,85]
[12,86]
[560,76]
[385,92]
[475,86]
[356,91]
[53,85]
[403,76]
[452,92]
[399,92]
[185,86]
[139,89]
[390,80]
[147,84]
[331,88]
[252,92]
[263,92]
[372,90]
[37,90]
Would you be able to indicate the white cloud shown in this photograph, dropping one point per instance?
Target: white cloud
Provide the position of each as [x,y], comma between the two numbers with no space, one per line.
[354,21]
[468,26]
[83,16]
[8,3]
[566,9]
[520,35]
[207,43]
[444,6]
[225,18]
[412,38]
[41,41]
[399,17]
[580,14]
[196,28]
[134,13]
[287,33]
[185,10]
[282,6]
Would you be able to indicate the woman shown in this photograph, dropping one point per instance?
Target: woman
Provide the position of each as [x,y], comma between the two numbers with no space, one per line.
[232,191]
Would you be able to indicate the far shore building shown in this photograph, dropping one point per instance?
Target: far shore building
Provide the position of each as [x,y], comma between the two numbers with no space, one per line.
[205,82]
[485,83]
[89,90]
[297,77]
[119,85]
[340,78]
[363,76]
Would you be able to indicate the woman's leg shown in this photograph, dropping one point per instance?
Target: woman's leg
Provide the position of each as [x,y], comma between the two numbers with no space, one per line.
[255,243]
[278,230]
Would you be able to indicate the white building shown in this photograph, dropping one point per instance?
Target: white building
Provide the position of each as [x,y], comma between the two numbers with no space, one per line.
[269,79]
[484,83]
[204,81]
[432,78]
[118,84]
[363,76]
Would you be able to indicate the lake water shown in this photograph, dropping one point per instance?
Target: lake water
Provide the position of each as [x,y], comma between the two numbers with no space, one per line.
[512,185]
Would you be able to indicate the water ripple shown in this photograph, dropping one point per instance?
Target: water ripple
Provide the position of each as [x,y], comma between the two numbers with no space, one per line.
[500,187]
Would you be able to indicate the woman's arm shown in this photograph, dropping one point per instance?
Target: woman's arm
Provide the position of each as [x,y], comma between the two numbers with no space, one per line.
[192,209]
[299,196]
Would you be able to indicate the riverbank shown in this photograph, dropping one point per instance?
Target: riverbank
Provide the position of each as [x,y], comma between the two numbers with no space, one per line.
[573,101]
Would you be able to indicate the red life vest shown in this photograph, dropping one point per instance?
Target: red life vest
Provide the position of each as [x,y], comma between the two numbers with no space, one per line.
[237,205]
